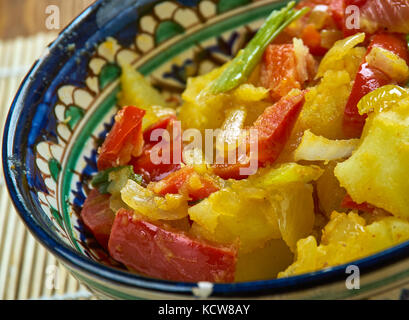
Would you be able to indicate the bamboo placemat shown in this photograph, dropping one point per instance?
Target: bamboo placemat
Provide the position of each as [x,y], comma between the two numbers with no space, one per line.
[27,270]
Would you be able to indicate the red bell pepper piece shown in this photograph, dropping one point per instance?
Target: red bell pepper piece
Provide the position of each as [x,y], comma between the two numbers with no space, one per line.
[393,42]
[145,166]
[124,140]
[98,217]
[273,129]
[180,182]
[368,79]
[162,252]
[348,203]
[358,3]
[229,171]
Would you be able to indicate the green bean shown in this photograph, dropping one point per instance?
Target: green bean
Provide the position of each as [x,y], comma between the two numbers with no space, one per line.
[241,67]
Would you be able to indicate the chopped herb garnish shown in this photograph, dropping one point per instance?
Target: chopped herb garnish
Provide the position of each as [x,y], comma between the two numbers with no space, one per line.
[101,180]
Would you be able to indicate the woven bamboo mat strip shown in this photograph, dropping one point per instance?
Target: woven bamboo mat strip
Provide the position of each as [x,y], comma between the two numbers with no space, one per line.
[27,270]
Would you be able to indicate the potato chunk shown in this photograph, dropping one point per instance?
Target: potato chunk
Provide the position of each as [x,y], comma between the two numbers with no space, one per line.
[275,203]
[231,215]
[378,171]
[328,98]
[339,56]
[326,101]
[330,193]
[346,238]
[137,91]
[203,110]
[263,263]
[295,212]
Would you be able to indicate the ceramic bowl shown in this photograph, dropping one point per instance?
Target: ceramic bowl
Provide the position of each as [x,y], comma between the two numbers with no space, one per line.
[66,104]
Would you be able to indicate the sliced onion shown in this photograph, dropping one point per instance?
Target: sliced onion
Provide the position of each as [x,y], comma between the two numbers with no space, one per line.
[317,148]
[301,55]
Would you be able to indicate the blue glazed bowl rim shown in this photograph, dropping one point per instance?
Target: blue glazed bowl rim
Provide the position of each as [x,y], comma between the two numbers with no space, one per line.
[104,273]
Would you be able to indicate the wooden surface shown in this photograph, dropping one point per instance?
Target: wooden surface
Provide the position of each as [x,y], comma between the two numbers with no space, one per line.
[27,270]
[28,17]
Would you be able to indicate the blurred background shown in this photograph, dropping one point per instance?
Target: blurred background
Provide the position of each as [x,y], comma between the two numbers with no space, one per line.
[27,271]
[28,17]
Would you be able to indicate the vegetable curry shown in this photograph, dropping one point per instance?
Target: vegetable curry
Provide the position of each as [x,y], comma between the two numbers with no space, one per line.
[317,108]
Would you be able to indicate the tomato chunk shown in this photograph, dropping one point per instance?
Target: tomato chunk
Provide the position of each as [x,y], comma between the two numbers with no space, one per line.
[161,124]
[163,252]
[337,10]
[273,129]
[124,140]
[186,180]
[348,203]
[312,3]
[368,79]
[312,39]
[279,71]
[98,217]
